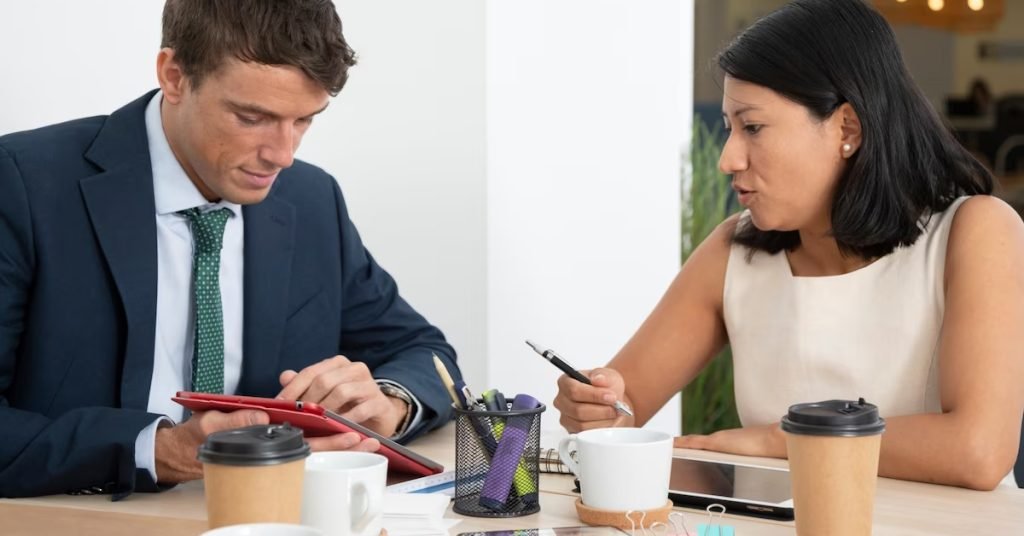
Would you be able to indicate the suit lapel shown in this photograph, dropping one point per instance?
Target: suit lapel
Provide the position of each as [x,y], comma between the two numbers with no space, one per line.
[269,240]
[122,211]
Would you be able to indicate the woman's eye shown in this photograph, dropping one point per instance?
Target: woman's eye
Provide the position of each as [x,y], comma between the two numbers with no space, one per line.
[752,129]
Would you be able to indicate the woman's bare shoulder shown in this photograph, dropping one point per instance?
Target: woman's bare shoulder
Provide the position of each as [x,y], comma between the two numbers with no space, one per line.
[706,267]
[984,229]
[719,242]
[985,218]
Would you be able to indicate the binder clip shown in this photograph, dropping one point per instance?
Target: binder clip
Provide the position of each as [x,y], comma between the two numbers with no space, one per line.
[713,527]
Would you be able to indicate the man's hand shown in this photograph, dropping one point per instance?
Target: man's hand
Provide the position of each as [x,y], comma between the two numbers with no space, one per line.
[768,441]
[177,447]
[347,388]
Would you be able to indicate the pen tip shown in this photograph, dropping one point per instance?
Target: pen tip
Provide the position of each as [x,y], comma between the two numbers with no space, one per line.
[533,345]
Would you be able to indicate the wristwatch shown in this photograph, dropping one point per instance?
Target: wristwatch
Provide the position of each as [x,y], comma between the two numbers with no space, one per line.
[397,392]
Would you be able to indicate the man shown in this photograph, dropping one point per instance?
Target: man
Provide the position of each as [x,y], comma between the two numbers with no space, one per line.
[176,245]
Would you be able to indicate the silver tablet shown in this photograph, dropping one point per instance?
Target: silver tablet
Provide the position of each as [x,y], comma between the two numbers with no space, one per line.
[742,489]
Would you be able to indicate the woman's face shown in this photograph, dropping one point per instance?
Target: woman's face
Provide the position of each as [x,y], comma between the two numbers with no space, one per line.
[785,163]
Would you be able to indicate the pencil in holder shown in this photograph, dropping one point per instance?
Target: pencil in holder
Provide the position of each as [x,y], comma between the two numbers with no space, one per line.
[497,459]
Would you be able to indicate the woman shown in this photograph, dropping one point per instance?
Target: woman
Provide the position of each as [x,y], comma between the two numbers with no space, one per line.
[870,262]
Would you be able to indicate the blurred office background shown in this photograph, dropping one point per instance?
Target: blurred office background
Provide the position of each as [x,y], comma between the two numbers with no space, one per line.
[514,164]
[967,56]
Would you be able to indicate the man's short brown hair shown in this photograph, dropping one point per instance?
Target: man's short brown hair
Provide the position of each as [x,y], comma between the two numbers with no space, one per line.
[301,33]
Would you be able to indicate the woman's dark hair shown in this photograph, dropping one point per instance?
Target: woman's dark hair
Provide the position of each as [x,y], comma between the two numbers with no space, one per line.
[823,53]
[300,33]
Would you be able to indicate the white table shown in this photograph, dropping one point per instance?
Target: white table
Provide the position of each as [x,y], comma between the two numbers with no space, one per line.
[901,508]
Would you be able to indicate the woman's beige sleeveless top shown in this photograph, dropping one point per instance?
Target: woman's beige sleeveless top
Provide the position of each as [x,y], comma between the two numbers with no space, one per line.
[871,333]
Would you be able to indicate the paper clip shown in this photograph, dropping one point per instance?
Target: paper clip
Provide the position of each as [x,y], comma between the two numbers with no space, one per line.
[713,528]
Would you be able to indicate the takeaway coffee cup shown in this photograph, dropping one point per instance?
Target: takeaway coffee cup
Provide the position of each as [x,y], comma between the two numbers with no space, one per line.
[833,462]
[254,475]
[620,469]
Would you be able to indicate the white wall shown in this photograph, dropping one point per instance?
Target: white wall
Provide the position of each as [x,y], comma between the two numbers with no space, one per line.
[515,164]
[588,106]
[406,140]
[63,59]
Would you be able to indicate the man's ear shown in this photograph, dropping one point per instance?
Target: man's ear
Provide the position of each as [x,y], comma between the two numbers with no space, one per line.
[850,129]
[170,76]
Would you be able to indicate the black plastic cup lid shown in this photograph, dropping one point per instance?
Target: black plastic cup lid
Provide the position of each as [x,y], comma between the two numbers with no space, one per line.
[254,445]
[843,418]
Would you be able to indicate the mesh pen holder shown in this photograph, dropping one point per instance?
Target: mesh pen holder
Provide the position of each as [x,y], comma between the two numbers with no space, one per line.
[496,460]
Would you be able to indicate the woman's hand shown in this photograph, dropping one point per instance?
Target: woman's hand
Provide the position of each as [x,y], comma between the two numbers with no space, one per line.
[591,406]
[767,441]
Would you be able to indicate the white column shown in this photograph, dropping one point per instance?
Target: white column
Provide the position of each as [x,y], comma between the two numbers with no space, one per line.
[588,106]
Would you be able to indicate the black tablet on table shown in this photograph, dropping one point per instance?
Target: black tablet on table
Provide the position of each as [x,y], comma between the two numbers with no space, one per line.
[740,488]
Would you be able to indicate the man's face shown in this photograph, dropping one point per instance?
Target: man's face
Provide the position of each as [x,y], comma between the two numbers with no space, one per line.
[241,127]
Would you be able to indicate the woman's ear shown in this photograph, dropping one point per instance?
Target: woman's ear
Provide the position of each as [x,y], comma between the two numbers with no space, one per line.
[849,128]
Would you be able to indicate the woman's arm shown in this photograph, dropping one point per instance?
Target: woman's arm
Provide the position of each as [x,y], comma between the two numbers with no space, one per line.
[683,332]
[973,442]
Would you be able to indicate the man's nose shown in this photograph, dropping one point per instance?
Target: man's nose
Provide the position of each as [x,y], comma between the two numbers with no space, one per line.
[279,150]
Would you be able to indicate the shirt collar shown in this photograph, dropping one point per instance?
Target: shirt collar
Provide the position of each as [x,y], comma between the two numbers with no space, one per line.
[173,191]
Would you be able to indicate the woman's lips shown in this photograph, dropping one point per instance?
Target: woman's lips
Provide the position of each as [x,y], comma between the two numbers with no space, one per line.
[743,194]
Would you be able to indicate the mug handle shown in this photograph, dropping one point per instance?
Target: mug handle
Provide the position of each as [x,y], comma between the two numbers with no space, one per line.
[563,454]
[362,514]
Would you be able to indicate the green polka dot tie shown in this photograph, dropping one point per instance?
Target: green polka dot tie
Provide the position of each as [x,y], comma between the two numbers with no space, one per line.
[208,354]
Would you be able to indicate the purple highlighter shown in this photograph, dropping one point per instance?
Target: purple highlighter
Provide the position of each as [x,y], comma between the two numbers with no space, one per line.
[506,458]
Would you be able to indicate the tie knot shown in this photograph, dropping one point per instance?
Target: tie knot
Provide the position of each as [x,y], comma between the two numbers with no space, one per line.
[207,227]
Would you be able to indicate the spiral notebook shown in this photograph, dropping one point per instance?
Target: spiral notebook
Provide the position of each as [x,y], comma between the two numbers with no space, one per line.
[550,462]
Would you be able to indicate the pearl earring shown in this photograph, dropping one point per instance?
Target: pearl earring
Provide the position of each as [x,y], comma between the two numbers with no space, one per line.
[847,148]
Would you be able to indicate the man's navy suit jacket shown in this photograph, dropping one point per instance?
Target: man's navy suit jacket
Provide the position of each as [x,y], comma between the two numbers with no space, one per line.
[78,292]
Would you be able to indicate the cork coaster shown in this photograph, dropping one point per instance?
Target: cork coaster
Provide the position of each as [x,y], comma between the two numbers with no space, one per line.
[612,518]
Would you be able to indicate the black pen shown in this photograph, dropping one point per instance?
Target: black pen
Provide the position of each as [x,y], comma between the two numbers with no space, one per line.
[557,361]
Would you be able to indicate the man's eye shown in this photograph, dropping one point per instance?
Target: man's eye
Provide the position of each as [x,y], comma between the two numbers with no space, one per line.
[248,120]
[752,129]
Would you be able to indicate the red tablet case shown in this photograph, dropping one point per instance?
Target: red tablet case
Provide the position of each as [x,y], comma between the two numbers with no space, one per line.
[315,421]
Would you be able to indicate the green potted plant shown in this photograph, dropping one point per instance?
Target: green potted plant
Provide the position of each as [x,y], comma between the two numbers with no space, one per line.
[708,400]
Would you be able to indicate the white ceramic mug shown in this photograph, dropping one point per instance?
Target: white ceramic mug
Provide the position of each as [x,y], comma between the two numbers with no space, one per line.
[343,492]
[620,469]
[263,529]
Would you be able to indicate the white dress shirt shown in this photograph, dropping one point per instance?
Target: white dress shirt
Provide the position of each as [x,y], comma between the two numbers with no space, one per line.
[173,191]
